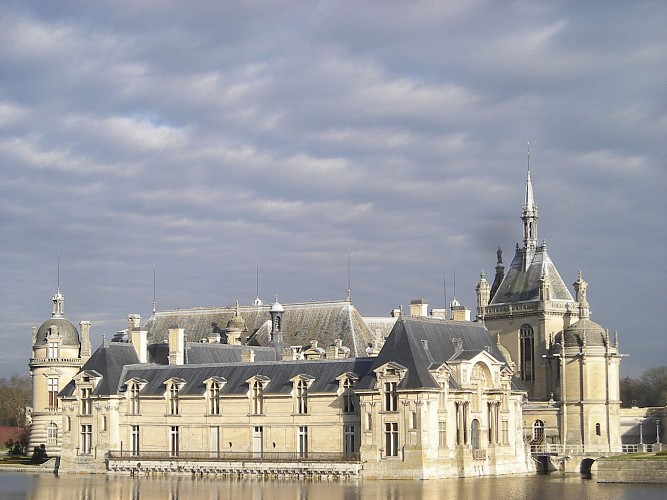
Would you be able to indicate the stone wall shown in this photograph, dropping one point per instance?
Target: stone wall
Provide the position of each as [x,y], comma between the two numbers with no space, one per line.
[640,470]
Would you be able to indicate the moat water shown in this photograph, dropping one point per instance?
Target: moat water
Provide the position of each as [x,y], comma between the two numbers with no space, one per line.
[16,485]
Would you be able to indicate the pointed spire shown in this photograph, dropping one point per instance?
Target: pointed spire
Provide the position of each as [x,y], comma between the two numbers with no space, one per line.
[529,217]
[258,301]
[58,300]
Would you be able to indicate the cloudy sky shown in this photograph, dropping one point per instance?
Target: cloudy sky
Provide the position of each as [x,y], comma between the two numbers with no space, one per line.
[206,137]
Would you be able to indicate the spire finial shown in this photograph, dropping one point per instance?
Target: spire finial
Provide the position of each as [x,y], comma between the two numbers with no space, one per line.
[154,302]
[349,278]
[528,156]
[58,279]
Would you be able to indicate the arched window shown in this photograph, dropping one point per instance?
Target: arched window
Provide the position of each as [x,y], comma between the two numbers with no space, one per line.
[527,353]
[598,430]
[538,431]
[474,434]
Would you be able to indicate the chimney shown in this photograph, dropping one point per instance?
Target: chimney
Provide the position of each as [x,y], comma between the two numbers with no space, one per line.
[460,313]
[248,356]
[290,354]
[139,339]
[418,307]
[176,345]
[86,348]
[133,321]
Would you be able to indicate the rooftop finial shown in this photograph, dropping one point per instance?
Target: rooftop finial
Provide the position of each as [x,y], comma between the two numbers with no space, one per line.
[349,279]
[58,279]
[154,302]
[528,157]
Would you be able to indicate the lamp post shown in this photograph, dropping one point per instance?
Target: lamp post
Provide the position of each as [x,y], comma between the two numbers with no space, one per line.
[641,437]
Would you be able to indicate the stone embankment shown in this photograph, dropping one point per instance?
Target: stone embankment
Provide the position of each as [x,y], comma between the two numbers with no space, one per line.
[632,469]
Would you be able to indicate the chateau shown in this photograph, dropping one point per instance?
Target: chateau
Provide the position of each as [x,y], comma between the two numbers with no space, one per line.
[315,389]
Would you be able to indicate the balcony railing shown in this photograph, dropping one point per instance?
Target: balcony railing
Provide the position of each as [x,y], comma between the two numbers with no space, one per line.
[236,456]
[478,454]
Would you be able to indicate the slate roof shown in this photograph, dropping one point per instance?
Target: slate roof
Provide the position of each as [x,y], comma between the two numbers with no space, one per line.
[69,335]
[521,286]
[109,361]
[198,353]
[405,346]
[301,323]
[236,374]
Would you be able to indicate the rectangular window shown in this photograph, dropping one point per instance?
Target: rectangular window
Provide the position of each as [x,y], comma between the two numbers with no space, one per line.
[442,434]
[369,421]
[86,401]
[257,398]
[135,440]
[391,439]
[134,399]
[390,397]
[53,350]
[413,420]
[173,441]
[53,392]
[86,439]
[348,396]
[104,422]
[349,441]
[173,399]
[302,442]
[257,441]
[214,398]
[302,397]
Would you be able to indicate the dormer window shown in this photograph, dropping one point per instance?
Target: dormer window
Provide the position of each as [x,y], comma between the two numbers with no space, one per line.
[135,404]
[348,396]
[174,386]
[86,401]
[257,397]
[301,397]
[214,398]
[52,350]
[390,396]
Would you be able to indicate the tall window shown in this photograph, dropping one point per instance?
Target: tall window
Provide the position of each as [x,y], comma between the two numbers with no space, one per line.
[303,441]
[134,441]
[474,434]
[52,350]
[214,398]
[301,397]
[442,434]
[173,441]
[135,407]
[173,399]
[538,431]
[348,396]
[52,385]
[390,397]
[86,439]
[527,350]
[86,401]
[52,433]
[349,444]
[257,396]
[391,439]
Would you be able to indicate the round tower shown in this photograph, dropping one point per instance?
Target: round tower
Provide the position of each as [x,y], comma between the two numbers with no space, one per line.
[56,358]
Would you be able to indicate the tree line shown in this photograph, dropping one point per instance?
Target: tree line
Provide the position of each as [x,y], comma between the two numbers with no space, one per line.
[650,389]
[15,395]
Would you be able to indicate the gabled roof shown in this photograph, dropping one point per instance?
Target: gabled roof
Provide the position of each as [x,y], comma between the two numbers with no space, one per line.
[324,372]
[419,343]
[301,323]
[521,286]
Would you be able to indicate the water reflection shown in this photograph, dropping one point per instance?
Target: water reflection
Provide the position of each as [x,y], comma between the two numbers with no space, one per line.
[98,487]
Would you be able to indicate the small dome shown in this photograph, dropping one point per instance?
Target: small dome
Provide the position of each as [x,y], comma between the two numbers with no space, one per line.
[236,323]
[277,307]
[62,327]
[583,332]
